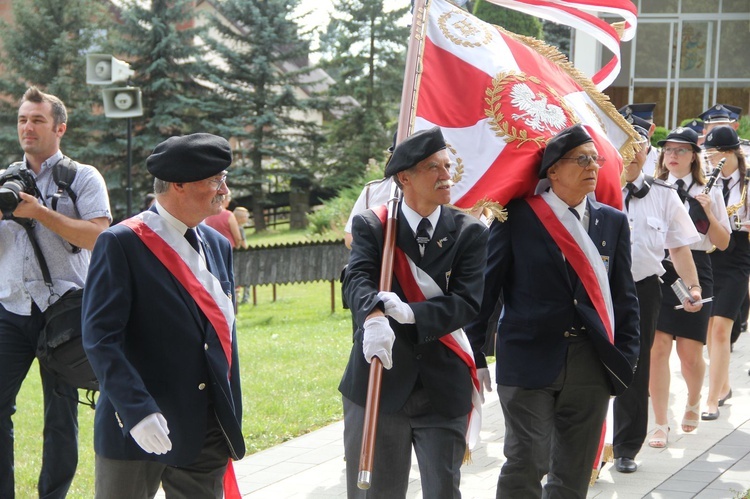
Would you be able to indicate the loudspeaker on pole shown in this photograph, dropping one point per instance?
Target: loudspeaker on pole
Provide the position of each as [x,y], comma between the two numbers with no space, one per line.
[122,102]
[104,69]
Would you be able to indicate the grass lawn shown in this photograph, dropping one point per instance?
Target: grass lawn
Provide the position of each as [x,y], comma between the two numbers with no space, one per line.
[292,355]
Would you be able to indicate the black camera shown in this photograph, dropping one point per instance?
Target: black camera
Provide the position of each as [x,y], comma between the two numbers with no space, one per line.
[14,180]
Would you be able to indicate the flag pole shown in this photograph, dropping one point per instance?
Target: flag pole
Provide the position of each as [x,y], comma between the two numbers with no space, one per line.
[408,102]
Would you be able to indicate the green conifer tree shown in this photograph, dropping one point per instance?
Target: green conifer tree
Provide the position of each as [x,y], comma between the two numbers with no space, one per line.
[44,45]
[511,20]
[364,50]
[261,71]
[160,40]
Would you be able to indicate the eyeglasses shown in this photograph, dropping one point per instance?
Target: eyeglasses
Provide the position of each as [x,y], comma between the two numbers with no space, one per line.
[679,151]
[218,182]
[584,160]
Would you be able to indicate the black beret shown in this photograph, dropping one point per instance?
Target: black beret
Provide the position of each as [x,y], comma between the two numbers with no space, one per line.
[415,148]
[190,158]
[722,137]
[682,135]
[560,144]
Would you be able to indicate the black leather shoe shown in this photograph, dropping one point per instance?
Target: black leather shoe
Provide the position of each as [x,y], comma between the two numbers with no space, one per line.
[710,416]
[625,465]
[726,397]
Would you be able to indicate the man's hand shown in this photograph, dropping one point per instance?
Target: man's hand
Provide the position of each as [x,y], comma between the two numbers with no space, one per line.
[378,340]
[151,434]
[485,381]
[28,207]
[394,307]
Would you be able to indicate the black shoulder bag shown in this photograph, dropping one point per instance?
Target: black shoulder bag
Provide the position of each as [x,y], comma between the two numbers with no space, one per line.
[60,347]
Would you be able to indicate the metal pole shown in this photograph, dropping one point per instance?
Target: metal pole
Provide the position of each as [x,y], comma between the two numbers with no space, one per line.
[129,188]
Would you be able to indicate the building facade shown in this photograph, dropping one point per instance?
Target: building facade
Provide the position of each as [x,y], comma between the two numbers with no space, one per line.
[686,56]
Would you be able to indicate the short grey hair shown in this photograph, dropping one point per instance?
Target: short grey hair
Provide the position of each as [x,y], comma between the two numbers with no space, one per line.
[161,186]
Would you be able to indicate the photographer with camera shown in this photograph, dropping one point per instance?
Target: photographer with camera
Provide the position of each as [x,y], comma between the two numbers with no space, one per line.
[64,224]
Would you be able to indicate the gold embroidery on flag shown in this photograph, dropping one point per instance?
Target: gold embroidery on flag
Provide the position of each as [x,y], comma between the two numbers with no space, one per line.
[538,114]
[464,31]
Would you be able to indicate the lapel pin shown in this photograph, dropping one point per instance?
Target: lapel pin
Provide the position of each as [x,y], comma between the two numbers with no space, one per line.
[604,243]
[596,221]
[441,241]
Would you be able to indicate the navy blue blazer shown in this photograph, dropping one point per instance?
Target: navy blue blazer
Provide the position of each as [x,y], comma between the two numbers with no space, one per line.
[525,264]
[454,258]
[153,350]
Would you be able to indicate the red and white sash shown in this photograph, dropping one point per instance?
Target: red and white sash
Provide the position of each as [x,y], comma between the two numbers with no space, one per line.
[418,286]
[578,249]
[188,267]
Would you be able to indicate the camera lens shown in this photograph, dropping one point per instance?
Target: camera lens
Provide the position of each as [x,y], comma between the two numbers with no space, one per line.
[9,197]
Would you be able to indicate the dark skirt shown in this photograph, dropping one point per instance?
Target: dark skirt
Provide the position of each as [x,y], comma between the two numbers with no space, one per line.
[679,323]
[731,270]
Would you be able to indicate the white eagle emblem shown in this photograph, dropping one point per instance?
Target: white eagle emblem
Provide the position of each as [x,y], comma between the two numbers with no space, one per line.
[537,115]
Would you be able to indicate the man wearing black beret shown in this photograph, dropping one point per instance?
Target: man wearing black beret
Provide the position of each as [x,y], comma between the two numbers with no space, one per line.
[568,337]
[415,329]
[159,330]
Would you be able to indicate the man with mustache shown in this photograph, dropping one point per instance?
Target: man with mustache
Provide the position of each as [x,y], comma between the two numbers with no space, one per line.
[568,336]
[159,330]
[414,329]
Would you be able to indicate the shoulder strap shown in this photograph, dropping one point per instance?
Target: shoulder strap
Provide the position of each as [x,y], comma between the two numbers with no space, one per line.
[28,225]
[63,173]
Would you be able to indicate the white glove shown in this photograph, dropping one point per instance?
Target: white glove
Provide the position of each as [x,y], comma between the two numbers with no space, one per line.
[378,341]
[151,434]
[485,382]
[394,307]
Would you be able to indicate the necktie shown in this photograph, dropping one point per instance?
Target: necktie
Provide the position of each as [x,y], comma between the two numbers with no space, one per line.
[725,190]
[423,234]
[631,189]
[192,238]
[575,213]
[423,231]
[681,190]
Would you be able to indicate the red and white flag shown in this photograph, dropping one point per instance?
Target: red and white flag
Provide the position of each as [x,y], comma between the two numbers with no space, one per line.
[581,15]
[499,98]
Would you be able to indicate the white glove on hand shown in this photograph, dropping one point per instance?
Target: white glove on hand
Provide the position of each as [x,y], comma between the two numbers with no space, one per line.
[378,341]
[485,382]
[151,434]
[394,307]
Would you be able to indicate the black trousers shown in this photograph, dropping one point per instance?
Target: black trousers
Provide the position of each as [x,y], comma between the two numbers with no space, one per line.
[630,410]
[555,430]
[438,442]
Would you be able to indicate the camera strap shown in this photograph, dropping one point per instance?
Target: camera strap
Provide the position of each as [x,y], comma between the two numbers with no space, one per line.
[28,225]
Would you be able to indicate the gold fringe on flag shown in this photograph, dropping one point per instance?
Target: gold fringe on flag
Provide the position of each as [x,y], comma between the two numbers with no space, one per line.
[608,456]
[594,476]
[619,28]
[628,149]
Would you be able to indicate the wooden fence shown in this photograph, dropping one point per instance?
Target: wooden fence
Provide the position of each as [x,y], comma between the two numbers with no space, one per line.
[291,263]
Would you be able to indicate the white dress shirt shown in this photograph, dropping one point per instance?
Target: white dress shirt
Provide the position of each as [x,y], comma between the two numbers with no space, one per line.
[658,221]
